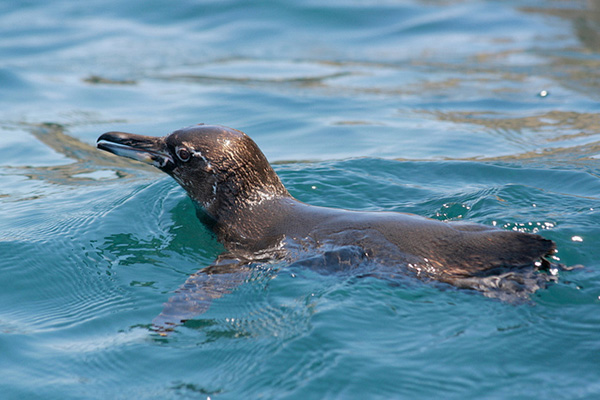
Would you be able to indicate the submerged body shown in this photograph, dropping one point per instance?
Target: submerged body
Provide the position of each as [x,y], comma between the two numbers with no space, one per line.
[242,200]
[448,252]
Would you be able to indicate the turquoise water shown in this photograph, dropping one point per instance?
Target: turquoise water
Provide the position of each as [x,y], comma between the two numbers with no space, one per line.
[486,111]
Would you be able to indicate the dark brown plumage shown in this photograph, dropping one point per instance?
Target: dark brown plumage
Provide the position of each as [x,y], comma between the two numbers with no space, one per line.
[243,201]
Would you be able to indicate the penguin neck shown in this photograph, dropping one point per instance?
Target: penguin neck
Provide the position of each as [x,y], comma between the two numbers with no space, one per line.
[254,224]
[250,204]
[242,204]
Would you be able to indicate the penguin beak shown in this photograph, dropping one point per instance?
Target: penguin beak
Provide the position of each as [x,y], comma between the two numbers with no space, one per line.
[148,149]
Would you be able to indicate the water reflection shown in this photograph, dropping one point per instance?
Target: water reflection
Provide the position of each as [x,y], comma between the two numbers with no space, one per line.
[576,67]
[586,21]
[85,165]
[568,134]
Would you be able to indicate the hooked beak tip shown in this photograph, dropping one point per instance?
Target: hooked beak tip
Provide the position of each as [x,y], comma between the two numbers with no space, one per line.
[147,149]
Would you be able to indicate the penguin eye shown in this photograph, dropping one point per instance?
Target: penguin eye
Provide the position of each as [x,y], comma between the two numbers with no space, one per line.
[183,154]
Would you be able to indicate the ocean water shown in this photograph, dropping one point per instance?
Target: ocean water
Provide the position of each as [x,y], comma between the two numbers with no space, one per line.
[486,111]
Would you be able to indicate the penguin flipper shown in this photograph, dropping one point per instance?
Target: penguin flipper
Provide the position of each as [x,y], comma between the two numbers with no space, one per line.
[195,296]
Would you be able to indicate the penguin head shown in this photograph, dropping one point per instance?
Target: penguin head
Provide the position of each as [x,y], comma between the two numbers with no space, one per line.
[220,168]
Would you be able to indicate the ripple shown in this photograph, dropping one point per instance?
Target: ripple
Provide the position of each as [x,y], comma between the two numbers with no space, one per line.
[70,281]
[574,127]
[58,293]
[96,343]
[257,71]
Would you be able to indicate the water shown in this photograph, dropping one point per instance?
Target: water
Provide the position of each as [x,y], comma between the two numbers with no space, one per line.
[478,110]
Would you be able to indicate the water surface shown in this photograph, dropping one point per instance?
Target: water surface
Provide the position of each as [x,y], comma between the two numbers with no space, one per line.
[484,111]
